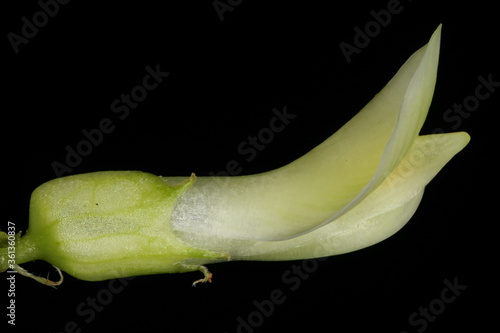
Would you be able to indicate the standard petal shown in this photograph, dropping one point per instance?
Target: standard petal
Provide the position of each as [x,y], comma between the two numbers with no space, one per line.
[328,181]
[380,215]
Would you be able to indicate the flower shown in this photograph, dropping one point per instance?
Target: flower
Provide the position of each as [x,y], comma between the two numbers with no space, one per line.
[355,189]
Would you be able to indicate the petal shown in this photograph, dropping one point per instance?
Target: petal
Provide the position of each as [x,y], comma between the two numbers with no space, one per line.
[328,181]
[382,213]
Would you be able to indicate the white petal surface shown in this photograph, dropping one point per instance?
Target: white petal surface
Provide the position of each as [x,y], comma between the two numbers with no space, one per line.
[382,213]
[328,181]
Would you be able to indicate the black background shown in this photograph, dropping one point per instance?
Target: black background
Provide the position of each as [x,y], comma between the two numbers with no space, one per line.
[225,79]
